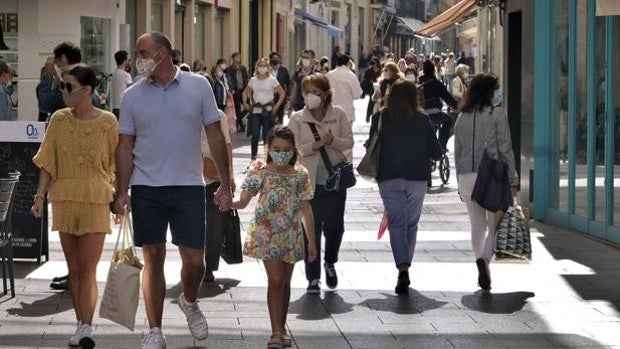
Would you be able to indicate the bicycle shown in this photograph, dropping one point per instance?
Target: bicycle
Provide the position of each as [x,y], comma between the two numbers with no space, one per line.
[442,164]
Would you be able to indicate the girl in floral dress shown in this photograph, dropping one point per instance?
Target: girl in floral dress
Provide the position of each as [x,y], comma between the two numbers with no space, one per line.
[275,234]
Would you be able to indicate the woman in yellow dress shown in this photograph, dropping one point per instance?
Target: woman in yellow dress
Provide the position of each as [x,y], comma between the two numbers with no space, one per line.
[76,161]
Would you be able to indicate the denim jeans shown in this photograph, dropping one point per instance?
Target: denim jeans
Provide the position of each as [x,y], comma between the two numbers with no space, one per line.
[259,120]
[402,200]
[328,210]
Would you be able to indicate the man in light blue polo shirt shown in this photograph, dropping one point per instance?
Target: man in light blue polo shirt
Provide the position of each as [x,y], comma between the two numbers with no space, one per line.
[159,149]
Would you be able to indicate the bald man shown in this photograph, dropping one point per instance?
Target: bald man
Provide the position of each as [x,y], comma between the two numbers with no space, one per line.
[159,150]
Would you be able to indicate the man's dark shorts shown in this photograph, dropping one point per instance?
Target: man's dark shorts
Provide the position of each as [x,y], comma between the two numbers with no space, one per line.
[181,206]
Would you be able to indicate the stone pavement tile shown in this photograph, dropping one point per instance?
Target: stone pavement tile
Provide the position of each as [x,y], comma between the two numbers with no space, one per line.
[421,341]
[573,340]
[516,340]
[314,340]
[371,339]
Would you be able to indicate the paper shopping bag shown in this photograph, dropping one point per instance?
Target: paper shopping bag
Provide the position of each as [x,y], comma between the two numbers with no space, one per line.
[122,289]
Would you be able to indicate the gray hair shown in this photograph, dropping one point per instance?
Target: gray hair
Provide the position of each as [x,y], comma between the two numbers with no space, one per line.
[161,39]
[461,69]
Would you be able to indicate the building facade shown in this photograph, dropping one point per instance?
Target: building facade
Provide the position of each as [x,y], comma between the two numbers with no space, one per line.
[200,29]
[563,96]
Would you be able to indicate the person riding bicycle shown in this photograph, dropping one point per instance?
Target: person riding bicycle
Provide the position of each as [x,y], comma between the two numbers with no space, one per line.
[434,92]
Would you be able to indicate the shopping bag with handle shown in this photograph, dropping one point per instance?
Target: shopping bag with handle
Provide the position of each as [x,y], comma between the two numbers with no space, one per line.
[122,289]
[512,237]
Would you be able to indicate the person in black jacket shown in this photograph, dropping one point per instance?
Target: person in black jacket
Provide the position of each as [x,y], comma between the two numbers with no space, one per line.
[408,141]
[434,92]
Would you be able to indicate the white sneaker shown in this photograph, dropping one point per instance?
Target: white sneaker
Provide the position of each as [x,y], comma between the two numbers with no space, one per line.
[196,320]
[154,340]
[80,332]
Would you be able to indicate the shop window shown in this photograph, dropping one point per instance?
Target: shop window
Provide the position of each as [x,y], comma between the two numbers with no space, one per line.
[581,108]
[9,21]
[616,104]
[199,35]
[600,120]
[157,15]
[559,115]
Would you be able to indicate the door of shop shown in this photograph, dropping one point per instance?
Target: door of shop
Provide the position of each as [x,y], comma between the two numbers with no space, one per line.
[580,157]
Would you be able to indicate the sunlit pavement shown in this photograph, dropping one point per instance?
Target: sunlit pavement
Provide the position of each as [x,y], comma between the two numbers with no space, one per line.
[567,296]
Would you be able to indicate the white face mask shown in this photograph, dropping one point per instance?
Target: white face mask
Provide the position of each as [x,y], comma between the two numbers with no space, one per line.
[410,77]
[262,70]
[146,66]
[305,62]
[498,97]
[312,101]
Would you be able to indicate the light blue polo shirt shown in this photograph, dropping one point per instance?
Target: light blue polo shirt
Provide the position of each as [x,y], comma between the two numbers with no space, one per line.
[166,122]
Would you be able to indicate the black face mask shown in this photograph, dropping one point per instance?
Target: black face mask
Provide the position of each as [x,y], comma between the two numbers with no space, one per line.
[274,62]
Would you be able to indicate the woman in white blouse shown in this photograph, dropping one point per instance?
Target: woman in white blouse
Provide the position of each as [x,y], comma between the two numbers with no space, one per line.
[258,98]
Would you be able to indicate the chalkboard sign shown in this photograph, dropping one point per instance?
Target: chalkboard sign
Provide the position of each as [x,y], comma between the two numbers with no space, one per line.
[19,142]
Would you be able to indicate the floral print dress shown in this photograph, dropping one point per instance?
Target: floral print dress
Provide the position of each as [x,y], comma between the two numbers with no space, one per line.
[275,232]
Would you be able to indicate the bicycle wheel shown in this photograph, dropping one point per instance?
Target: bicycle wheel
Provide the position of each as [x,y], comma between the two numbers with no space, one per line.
[444,169]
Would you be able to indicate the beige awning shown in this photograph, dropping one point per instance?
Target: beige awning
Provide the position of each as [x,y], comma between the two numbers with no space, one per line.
[443,22]
[469,33]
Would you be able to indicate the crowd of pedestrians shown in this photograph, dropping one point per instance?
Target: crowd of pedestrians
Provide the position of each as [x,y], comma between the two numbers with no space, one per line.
[165,155]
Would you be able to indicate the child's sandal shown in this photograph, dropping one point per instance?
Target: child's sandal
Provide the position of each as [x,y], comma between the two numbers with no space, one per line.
[275,342]
[287,342]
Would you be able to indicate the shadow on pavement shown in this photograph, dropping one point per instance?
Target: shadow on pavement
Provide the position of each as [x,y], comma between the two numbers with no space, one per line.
[315,339]
[54,304]
[309,307]
[207,289]
[603,259]
[412,303]
[496,303]
[441,188]
[23,268]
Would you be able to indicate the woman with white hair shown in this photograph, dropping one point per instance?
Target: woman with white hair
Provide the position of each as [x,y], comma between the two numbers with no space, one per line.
[458,85]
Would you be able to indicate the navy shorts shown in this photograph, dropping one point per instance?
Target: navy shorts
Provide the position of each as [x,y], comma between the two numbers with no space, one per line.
[181,206]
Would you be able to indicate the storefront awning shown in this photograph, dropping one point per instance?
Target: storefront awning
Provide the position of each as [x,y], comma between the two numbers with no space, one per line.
[413,25]
[443,22]
[331,30]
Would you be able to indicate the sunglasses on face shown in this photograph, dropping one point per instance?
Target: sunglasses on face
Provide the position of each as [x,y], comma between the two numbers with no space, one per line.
[68,87]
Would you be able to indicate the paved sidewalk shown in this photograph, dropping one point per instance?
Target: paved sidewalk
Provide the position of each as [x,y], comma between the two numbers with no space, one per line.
[568,296]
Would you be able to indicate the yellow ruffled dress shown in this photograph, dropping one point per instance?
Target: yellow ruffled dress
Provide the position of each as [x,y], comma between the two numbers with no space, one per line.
[79,155]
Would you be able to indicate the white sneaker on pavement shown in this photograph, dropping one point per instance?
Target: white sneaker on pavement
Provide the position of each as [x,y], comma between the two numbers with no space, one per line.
[80,332]
[154,340]
[196,320]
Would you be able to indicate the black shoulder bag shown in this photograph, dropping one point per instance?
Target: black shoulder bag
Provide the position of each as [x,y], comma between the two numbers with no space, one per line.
[340,176]
[491,189]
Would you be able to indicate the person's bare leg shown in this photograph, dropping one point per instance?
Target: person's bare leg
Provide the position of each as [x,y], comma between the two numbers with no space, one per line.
[154,282]
[192,271]
[276,278]
[69,245]
[288,274]
[89,252]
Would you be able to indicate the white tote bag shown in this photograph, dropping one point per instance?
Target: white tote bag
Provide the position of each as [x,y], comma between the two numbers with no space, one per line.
[122,289]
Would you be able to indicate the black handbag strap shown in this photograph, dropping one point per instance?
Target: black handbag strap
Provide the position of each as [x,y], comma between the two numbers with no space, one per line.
[322,150]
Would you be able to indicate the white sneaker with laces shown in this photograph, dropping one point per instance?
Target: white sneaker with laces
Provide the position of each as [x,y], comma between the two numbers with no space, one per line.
[154,340]
[196,320]
[80,332]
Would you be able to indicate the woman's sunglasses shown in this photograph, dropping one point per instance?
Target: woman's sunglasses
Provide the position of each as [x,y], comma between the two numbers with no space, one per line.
[66,86]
